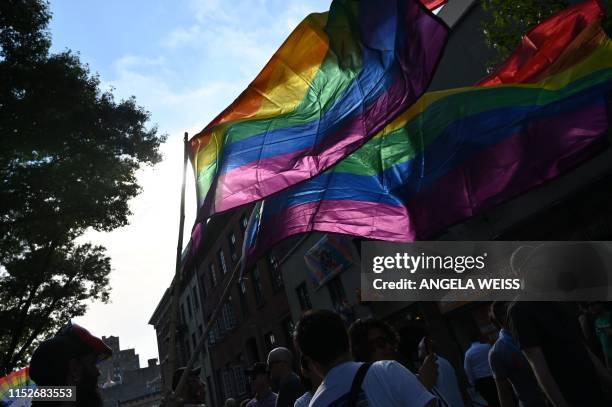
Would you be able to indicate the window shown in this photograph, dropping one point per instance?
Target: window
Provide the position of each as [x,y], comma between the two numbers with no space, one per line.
[232,245]
[244,221]
[302,294]
[336,292]
[222,261]
[270,341]
[240,380]
[243,301]
[275,274]
[196,304]
[257,286]
[288,327]
[227,318]
[189,307]
[213,275]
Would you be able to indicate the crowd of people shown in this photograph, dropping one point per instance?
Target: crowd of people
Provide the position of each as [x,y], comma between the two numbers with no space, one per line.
[545,355]
[542,357]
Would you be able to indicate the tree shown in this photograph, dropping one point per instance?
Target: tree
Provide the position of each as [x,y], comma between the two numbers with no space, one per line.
[68,157]
[511,20]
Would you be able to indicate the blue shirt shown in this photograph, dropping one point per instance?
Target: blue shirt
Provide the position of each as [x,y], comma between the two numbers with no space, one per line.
[476,363]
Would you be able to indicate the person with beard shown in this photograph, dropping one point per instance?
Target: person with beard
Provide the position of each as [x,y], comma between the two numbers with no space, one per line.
[69,359]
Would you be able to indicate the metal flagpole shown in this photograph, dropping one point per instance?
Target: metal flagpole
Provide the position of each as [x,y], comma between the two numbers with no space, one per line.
[177,271]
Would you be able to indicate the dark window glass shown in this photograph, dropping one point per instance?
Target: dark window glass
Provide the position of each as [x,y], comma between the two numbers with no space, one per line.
[302,294]
[275,274]
[257,286]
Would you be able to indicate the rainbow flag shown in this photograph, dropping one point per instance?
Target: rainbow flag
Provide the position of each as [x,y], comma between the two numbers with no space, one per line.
[337,80]
[457,152]
[19,379]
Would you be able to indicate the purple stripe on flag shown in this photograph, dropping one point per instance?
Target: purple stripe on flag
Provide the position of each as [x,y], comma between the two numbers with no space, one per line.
[510,168]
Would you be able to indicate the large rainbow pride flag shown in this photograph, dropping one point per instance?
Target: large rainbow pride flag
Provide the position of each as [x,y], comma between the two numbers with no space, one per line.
[337,80]
[457,152]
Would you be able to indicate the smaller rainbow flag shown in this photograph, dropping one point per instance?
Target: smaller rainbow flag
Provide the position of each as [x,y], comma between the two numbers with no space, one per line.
[457,152]
[19,379]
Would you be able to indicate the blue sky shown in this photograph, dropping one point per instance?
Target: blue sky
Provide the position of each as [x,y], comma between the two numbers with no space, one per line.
[184,61]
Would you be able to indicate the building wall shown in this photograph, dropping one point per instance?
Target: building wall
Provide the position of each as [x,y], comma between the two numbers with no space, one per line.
[122,360]
[254,319]
[135,383]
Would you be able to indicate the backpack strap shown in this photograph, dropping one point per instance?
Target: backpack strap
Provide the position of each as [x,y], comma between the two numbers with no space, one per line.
[356,385]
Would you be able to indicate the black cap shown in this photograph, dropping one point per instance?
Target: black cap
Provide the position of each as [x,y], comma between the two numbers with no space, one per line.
[179,372]
[258,368]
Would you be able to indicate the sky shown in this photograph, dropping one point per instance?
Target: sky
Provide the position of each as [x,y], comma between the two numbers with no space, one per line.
[185,61]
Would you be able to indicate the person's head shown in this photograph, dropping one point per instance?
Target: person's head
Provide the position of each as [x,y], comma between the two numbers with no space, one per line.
[279,363]
[322,338]
[230,402]
[69,359]
[372,340]
[194,390]
[260,378]
[498,314]
[426,347]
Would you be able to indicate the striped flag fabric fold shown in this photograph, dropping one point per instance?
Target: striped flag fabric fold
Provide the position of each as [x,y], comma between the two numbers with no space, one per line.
[337,80]
[457,152]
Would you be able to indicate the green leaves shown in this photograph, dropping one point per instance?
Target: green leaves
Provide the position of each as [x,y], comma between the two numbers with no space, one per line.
[68,159]
[511,20]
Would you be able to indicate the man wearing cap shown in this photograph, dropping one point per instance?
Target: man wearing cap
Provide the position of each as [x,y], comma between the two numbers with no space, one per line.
[289,385]
[69,359]
[193,392]
[260,384]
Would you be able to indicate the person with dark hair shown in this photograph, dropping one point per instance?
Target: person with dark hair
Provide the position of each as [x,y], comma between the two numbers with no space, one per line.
[193,392]
[286,381]
[323,340]
[372,340]
[69,359]
[478,370]
[511,371]
[260,385]
[311,381]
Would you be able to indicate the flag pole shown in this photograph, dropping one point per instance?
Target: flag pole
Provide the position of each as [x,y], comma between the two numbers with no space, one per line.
[177,277]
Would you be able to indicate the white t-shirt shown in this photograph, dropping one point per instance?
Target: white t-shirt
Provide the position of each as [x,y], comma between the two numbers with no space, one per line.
[304,400]
[447,384]
[386,384]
